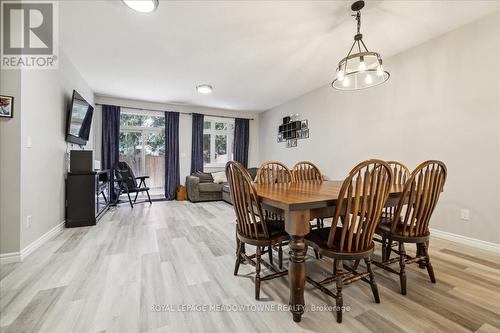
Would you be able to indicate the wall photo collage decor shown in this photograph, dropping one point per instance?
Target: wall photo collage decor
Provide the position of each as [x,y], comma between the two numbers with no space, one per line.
[293,129]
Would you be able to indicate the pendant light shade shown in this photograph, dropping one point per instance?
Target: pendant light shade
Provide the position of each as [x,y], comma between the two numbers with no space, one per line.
[142,6]
[362,69]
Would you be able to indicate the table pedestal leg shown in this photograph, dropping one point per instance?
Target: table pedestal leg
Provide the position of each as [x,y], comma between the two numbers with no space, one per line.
[297,226]
[297,276]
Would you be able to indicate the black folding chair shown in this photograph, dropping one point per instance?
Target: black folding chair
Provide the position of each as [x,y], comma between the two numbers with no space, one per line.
[127,182]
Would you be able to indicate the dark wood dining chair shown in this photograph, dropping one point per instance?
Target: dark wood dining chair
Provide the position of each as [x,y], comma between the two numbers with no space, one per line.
[359,207]
[252,226]
[410,223]
[400,174]
[274,172]
[307,171]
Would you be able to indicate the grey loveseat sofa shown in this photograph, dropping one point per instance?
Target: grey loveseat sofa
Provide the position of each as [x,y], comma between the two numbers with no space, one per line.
[200,187]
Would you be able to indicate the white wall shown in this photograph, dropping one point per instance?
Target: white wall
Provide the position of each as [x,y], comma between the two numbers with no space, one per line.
[441,102]
[10,165]
[185,127]
[46,95]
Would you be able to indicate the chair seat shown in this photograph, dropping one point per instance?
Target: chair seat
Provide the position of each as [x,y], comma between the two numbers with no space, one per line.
[274,227]
[138,189]
[318,238]
[276,231]
[384,228]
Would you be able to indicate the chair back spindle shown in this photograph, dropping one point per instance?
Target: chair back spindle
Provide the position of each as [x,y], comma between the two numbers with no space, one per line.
[400,175]
[274,172]
[306,171]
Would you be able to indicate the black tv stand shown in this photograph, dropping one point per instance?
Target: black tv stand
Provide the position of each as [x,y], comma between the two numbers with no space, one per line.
[87,197]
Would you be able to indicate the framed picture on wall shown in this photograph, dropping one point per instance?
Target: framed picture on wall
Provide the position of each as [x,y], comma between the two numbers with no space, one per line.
[304,124]
[291,143]
[6,106]
[305,133]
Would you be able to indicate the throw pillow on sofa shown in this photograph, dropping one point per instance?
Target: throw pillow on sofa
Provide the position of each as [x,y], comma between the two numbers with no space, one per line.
[205,177]
[219,177]
[253,172]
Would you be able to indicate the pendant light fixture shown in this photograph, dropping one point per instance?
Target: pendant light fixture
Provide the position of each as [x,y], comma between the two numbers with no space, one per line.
[362,69]
[142,6]
[204,89]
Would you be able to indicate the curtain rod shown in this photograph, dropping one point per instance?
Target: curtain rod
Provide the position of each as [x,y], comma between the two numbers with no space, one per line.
[187,113]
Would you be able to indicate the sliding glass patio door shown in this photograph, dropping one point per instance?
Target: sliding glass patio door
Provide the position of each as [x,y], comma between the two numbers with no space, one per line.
[142,146]
[154,161]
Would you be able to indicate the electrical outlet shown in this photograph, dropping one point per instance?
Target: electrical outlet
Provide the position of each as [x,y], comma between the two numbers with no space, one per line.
[465,214]
[28,221]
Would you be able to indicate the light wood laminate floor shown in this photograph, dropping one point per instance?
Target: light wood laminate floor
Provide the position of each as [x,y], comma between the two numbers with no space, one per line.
[109,277]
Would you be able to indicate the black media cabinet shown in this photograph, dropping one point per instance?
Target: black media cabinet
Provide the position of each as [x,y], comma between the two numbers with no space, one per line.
[87,197]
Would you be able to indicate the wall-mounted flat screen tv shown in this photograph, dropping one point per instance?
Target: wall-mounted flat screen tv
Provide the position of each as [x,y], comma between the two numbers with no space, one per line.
[79,120]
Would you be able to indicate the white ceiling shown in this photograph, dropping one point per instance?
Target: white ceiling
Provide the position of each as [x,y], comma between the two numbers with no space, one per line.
[256,54]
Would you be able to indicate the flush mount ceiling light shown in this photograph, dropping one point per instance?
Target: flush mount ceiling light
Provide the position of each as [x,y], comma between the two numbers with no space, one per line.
[142,6]
[363,69]
[204,88]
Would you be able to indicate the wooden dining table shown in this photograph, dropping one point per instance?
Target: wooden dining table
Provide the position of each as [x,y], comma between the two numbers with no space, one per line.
[300,203]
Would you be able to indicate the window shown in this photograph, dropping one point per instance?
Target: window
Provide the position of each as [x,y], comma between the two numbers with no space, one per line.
[217,141]
[142,146]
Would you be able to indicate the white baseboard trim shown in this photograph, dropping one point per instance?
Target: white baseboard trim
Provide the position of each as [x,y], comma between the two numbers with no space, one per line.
[7,258]
[494,247]
[42,239]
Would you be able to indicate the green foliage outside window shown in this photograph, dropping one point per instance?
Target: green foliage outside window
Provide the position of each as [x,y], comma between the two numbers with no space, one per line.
[131,142]
[220,145]
[216,141]
[136,120]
